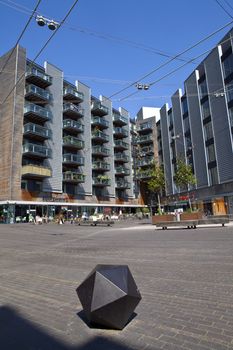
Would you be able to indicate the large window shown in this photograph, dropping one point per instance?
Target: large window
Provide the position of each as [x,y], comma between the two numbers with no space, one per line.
[231,116]
[211,153]
[228,65]
[213,176]
[208,131]
[229,91]
[205,108]
[184,105]
[186,125]
[170,119]
[203,89]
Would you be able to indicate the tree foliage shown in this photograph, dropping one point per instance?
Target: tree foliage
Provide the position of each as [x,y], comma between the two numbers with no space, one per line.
[184,175]
[156,182]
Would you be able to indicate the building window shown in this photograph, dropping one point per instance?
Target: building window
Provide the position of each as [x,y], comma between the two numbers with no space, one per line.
[208,131]
[184,105]
[227,66]
[213,176]
[170,119]
[229,91]
[231,116]
[211,153]
[203,89]
[205,109]
[186,125]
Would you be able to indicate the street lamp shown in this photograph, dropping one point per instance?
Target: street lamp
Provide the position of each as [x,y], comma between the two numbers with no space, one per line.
[141,86]
[42,21]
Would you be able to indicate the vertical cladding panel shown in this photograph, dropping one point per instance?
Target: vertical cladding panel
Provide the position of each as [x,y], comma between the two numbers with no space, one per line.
[220,122]
[11,123]
[199,157]
[110,190]
[129,165]
[178,125]
[86,187]
[54,183]
[166,150]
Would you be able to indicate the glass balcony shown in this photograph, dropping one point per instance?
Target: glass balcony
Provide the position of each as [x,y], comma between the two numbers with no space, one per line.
[37,131]
[100,166]
[36,171]
[122,184]
[73,142]
[73,95]
[145,139]
[120,132]
[70,176]
[35,93]
[72,110]
[97,121]
[35,76]
[147,149]
[101,181]
[121,157]
[73,159]
[144,126]
[143,175]
[100,151]
[98,135]
[72,125]
[120,170]
[31,149]
[98,109]
[119,119]
[145,162]
[36,112]
[119,144]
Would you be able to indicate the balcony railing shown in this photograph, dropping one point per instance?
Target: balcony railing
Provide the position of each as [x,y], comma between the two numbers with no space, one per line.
[71,141]
[100,166]
[122,171]
[121,144]
[36,93]
[37,131]
[100,151]
[122,184]
[121,157]
[72,94]
[98,181]
[70,176]
[32,170]
[145,138]
[143,175]
[98,109]
[99,135]
[70,158]
[71,109]
[41,113]
[100,122]
[145,162]
[73,125]
[36,76]
[147,149]
[118,131]
[144,126]
[119,119]
[36,150]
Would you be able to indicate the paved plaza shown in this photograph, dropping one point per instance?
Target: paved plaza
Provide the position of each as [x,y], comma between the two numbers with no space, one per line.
[185,278]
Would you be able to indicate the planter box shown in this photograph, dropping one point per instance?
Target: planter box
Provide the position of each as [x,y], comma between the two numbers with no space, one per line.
[191,216]
[159,218]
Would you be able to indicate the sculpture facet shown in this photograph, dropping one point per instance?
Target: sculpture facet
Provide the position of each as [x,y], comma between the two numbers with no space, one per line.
[109,295]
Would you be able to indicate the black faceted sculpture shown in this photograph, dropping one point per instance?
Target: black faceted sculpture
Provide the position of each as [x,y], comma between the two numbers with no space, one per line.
[109,296]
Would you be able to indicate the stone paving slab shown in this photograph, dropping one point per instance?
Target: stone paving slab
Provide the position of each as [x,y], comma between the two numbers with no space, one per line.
[185,278]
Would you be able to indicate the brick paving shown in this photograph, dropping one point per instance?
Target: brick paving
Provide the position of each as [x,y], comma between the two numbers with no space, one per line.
[185,278]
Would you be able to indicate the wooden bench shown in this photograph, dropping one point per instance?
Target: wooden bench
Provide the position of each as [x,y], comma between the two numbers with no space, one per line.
[95,223]
[186,223]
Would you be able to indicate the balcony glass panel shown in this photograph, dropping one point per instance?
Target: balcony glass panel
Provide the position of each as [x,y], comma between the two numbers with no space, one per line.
[73,124]
[100,165]
[37,150]
[41,111]
[37,130]
[122,184]
[121,156]
[122,170]
[119,118]
[101,181]
[120,143]
[36,170]
[100,150]
[144,138]
[38,91]
[73,141]
[121,131]
[72,107]
[144,126]
[73,92]
[100,134]
[73,176]
[34,71]
[98,107]
[73,158]
[100,121]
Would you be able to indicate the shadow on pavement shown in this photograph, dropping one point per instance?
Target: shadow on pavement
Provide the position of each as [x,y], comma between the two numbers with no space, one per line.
[18,333]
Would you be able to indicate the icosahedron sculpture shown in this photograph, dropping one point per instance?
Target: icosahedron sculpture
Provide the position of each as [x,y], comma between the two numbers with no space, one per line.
[109,296]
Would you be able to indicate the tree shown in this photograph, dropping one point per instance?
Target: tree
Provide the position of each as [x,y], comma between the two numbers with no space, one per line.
[184,176]
[156,182]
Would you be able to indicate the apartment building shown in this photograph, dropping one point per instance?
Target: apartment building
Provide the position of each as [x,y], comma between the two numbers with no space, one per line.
[61,147]
[198,127]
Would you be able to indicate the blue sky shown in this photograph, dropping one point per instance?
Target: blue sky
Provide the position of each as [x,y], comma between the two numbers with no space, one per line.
[109,44]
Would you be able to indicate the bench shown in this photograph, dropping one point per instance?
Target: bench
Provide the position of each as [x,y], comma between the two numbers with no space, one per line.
[95,223]
[186,223]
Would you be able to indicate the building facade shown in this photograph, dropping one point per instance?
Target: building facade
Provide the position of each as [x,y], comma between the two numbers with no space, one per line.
[198,128]
[60,146]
